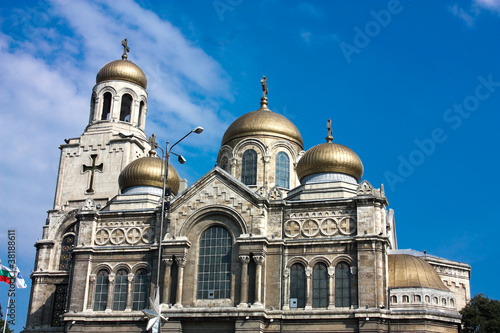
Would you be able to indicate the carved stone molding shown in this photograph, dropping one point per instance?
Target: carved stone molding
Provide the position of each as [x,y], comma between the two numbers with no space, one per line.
[321,224]
[245,259]
[123,233]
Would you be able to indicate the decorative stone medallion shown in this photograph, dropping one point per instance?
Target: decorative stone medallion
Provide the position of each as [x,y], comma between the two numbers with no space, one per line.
[124,233]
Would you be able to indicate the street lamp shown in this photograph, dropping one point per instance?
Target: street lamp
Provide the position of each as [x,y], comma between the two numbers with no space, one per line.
[181,160]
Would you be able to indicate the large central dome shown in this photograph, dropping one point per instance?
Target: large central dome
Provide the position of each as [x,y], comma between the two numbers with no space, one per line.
[262,122]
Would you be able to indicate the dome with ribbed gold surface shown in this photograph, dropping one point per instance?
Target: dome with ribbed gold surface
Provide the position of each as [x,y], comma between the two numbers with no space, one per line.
[330,157]
[407,271]
[264,123]
[147,172]
[124,70]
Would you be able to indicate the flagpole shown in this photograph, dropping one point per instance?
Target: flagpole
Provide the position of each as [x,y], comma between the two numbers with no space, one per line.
[5,317]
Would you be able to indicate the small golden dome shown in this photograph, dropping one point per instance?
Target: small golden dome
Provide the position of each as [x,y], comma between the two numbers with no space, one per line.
[124,70]
[407,271]
[147,171]
[330,157]
[263,122]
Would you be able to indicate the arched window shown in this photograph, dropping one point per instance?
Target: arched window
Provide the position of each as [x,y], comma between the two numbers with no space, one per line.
[92,107]
[67,245]
[406,299]
[435,300]
[342,285]
[141,110]
[126,107]
[214,265]
[297,286]
[101,290]
[320,286]
[224,164]
[121,290]
[106,106]
[394,299]
[249,167]
[452,302]
[282,170]
[427,299]
[443,301]
[140,296]
[417,298]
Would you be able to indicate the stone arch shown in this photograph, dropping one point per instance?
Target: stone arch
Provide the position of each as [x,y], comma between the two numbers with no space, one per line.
[122,265]
[204,212]
[239,149]
[141,265]
[297,260]
[344,258]
[319,259]
[102,266]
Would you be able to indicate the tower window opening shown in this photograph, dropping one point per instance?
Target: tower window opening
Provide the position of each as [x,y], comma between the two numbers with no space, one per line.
[282,170]
[224,164]
[92,107]
[106,106]
[126,107]
[141,110]
[249,167]
[297,286]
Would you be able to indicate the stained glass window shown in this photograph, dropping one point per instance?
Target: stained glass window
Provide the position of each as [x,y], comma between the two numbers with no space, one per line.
[121,290]
[101,290]
[282,170]
[249,167]
[60,301]
[297,286]
[214,265]
[320,286]
[140,290]
[66,252]
[342,285]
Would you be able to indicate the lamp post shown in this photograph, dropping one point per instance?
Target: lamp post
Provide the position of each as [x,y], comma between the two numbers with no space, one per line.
[181,160]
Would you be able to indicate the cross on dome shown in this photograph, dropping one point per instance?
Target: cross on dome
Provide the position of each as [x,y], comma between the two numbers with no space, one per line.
[125,49]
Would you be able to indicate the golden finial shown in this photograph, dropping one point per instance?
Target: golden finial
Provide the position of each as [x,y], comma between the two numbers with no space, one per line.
[263,100]
[329,138]
[153,144]
[125,49]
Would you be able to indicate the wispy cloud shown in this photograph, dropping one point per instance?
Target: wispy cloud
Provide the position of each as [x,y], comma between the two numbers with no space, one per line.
[470,15]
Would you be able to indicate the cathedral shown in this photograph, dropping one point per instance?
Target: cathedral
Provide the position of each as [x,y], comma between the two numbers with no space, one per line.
[274,238]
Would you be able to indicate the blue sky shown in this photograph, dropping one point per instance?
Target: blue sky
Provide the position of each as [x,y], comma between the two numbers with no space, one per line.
[413,87]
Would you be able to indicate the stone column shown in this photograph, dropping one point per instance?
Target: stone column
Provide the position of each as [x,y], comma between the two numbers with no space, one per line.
[286,289]
[167,279]
[181,262]
[308,288]
[115,108]
[244,280]
[233,165]
[259,260]
[130,292]
[111,291]
[91,291]
[331,287]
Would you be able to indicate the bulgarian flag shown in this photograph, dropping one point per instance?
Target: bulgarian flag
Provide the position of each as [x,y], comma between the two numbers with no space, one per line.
[6,274]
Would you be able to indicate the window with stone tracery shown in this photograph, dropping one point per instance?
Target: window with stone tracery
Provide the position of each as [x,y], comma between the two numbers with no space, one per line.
[101,290]
[66,257]
[320,286]
[282,170]
[214,264]
[297,286]
[140,293]
[342,285]
[249,167]
[121,290]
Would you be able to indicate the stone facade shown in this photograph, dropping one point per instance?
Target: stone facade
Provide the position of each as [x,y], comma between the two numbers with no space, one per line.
[312,256]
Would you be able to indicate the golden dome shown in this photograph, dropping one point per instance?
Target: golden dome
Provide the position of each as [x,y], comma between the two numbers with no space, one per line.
[407,271]
[124,70]
[147,171]
[330,157]
[263,122]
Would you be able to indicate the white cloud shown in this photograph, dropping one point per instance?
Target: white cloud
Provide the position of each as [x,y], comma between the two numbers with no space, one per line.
[493,5]
[470,16]
[50,57]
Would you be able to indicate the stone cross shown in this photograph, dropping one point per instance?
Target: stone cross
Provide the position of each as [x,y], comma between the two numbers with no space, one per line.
[92,169]
[125,49]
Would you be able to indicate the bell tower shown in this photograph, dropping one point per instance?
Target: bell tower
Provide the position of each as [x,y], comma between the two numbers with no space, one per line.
[90,164]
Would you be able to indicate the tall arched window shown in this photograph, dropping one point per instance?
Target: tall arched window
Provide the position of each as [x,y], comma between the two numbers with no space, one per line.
[67,245]
[214,265]
[297,286]
[140,297]
[320,286]
[342,285]
[126,107]
[141,110]
[101,290]
[224,164]
[249,167]
[121,290]
[106,106]
[92,107]
[282,170]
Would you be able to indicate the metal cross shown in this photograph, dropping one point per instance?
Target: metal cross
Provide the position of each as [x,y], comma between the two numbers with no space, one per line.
[125,49]
[263,83]
[329,138]
[92,169]
[152,141]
